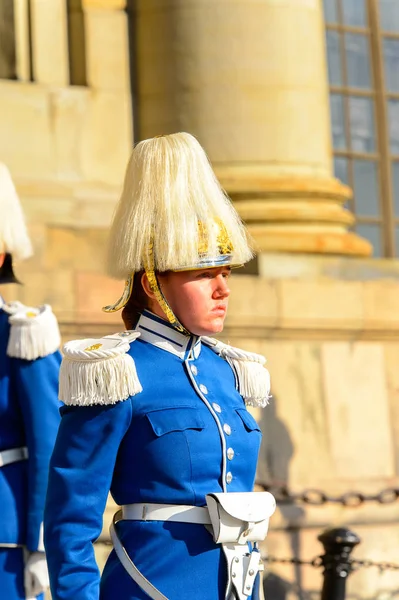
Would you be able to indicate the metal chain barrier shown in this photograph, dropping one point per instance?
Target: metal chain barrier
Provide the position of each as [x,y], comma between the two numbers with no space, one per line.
[315,497]
[317,562]
[381,566]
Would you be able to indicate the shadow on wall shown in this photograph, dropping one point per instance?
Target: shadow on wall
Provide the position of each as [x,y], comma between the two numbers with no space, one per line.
[277,588]
[274,461]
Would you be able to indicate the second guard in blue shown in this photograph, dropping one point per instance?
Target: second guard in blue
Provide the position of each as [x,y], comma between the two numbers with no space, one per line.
[29,414]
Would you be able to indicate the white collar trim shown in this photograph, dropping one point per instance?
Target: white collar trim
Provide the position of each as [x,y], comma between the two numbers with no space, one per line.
[161,334]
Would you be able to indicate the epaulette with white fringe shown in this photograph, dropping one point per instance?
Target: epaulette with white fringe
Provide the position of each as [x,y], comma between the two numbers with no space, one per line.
[99,371]
[253,379]
[11,307]
[34,332]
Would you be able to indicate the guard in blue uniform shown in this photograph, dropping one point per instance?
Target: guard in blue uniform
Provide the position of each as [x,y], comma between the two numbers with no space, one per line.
[29,414]
[157,414]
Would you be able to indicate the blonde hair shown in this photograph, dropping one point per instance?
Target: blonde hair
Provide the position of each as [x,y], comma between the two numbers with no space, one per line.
[170,188]
[14,238]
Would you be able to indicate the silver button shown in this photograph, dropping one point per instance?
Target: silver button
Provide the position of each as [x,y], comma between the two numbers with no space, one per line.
[203,388]
[229,477]
[216,407]
[194,370]
[227,429]
[230,453]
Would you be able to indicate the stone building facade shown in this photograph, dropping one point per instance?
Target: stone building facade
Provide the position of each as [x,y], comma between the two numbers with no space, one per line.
[81,80]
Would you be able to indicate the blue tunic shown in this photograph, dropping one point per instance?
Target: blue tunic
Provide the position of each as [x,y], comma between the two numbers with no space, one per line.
[188,433]
[29,417]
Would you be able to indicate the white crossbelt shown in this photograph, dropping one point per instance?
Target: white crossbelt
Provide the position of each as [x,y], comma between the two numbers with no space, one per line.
[14,455]
[129,565]
[180,513]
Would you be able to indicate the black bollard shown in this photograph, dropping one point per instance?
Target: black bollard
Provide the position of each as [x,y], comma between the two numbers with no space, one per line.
[338,544]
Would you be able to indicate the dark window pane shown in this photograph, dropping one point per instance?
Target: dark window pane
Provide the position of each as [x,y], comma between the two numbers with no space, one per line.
[393,125]
[7,40]
[389,15]
[337,121]
[395,181]
[372,233]
[358,60]
[361,124]
[354,13]
[334,57]
[341,169]
[330,11]
[365,188]
[391,63]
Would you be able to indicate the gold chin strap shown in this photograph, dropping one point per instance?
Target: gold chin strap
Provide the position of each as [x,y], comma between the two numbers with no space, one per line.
[124,299]
[156,290]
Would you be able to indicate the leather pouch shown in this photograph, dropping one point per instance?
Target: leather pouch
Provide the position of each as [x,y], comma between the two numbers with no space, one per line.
[240,517]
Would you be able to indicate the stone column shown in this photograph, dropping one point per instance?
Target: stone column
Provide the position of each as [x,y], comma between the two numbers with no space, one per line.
[50,42]
[108,78]
[249,79]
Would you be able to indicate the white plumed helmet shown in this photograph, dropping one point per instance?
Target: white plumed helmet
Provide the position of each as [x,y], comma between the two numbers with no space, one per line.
[14,238]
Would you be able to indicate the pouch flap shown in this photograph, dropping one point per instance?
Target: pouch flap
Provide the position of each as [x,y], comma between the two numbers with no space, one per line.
[251,507]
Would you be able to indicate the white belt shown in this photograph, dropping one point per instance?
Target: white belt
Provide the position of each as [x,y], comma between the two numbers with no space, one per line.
[180,513]
[14,455]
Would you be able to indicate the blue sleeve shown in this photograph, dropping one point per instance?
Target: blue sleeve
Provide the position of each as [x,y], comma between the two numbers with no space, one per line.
[81,470]
[36,384]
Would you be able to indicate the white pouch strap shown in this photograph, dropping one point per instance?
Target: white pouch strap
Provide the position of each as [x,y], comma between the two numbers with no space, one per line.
[129,565]
[242,569]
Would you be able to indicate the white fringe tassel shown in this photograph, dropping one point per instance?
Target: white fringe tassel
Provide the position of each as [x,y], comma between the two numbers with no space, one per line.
[99,381]
[32,338]
[253,379]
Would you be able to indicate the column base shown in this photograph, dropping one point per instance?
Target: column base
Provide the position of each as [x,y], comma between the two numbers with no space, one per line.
[298,214]
[293,239]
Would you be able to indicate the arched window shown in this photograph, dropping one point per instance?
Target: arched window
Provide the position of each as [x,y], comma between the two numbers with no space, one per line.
[363,63]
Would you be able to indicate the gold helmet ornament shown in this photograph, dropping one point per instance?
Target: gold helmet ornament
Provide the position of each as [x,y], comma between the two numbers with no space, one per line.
[173,215]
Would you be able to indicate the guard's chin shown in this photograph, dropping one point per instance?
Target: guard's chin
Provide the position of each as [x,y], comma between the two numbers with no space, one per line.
[209,330]
[217,326]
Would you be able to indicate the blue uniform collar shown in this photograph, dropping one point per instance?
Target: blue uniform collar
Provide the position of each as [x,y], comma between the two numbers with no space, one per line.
[163,335]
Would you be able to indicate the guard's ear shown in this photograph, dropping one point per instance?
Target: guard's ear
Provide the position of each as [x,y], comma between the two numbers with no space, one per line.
[2,257]
[147,287]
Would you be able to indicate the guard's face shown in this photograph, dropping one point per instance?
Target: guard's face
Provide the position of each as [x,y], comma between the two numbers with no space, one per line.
[198,298]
